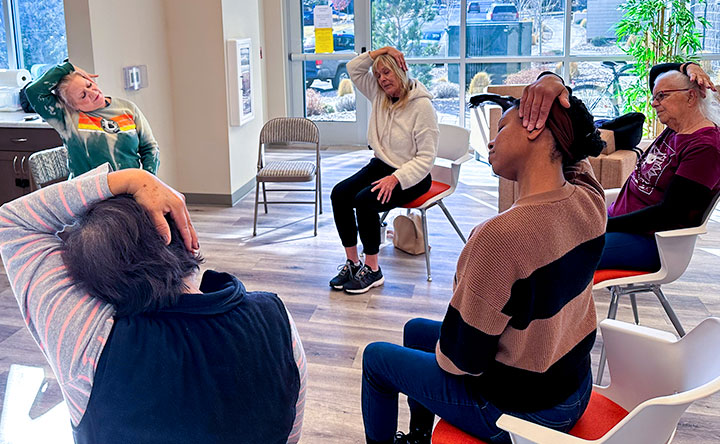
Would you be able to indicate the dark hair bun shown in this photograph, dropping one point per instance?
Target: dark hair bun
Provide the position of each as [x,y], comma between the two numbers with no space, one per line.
[587,141]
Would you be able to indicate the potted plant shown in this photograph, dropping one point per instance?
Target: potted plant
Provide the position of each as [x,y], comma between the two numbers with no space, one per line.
[652,32]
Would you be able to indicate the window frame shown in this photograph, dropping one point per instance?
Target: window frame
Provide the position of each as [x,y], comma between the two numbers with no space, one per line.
[13,35]
[566,58]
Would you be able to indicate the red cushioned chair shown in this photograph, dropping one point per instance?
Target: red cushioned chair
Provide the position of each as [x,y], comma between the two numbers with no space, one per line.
[654,378]
[453,150]
[675,248]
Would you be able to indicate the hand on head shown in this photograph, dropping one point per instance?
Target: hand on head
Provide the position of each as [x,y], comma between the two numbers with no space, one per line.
[158,199]
[537,99]
[86,74]
[699,76]
[392,52]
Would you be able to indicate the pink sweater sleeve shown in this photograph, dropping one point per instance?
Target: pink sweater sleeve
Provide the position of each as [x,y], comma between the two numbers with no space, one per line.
[68,325]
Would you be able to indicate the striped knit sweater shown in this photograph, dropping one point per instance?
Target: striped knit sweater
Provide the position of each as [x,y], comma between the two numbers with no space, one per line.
[70,326]
[521,322]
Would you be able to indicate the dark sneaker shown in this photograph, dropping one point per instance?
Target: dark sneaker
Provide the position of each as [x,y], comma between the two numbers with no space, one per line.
[364,280]
[413,438]
[347,271]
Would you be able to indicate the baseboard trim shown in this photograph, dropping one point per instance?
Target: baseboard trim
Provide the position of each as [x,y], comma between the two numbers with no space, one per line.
[220,199]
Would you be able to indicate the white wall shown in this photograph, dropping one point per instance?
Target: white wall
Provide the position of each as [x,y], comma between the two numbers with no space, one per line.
[243,20]
[197,75]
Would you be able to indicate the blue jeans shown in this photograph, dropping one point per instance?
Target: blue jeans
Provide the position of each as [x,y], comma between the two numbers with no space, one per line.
[628,251]
[389,369]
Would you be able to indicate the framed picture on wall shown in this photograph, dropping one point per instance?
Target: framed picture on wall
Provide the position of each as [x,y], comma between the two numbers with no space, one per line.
[240,79]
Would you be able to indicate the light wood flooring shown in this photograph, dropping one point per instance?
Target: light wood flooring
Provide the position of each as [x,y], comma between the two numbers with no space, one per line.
[285,258]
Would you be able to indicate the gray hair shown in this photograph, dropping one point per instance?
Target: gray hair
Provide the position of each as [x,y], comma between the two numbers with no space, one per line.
[709,106]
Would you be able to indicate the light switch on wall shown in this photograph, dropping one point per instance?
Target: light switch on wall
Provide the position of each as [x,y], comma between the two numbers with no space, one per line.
[135,77]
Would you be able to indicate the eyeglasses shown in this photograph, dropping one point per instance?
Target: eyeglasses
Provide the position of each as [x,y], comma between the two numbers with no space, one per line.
[662,95]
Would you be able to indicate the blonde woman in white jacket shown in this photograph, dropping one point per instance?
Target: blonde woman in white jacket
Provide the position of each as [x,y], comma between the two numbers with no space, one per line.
[403,134]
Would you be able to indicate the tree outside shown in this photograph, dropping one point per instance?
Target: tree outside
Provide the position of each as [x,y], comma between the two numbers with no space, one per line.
[400,24]
[42,28]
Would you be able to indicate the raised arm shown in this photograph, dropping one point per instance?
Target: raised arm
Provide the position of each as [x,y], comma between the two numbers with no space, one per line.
[41,97]
[691,69]
[359,69]
[69,326]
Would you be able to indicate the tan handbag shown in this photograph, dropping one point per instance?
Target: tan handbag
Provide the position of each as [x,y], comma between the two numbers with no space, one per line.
[408,235]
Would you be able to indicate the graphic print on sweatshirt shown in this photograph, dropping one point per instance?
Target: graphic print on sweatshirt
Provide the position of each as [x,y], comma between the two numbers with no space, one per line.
[648,172]
[123,122]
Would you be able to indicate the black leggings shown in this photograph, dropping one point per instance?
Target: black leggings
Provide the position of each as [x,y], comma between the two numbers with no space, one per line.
[354,193]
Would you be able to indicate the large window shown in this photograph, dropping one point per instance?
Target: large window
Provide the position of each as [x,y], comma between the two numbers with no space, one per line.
[481,42]
[329,96]
[32,34]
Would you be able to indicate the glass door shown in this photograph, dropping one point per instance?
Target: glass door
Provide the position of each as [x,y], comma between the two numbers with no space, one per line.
[324,35]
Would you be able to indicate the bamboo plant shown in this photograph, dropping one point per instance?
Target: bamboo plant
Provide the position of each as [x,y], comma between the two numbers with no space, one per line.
[652,32]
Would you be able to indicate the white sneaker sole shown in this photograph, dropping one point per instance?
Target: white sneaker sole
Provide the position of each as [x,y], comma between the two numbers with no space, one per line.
[377,283]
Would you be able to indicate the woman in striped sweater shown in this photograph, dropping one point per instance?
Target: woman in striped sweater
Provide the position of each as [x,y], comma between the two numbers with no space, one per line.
[521,322]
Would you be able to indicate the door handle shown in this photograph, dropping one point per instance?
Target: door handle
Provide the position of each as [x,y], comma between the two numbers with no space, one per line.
[18,140]
[15,165]
[22,165]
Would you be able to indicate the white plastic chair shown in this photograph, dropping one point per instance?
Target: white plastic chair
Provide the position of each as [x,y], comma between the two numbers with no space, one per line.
[675,248]
[654,378]
[653,375]
[453,148]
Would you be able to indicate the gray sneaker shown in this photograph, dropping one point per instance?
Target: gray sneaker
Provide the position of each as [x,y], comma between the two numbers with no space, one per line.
[364,280]
[347,271]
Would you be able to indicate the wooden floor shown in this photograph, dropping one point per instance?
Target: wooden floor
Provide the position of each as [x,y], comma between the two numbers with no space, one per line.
[285,258]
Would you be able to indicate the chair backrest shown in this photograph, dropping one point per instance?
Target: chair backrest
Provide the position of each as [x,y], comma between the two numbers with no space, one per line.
[676,247]
[656,377]
[710,210]
[454,142]
[646,363]
[290,129]
[49,165]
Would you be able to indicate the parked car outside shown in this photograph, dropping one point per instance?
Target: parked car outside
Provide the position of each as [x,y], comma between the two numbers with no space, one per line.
[502,12]
[329,70]
[434,38]
[478,7]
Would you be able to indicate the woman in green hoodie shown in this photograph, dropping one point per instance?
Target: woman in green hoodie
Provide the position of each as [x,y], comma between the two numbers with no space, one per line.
[95,128]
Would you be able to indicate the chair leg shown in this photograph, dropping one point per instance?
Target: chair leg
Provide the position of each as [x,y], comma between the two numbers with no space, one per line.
[318,185]
[668,309]
[633,303]
[257,190]
[612,313]
[317,190]
[423,212]
[452,221]
[264,197]
[383,217]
